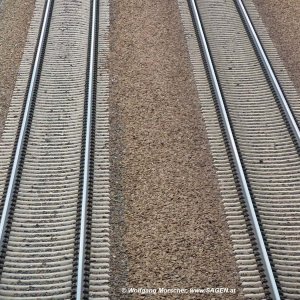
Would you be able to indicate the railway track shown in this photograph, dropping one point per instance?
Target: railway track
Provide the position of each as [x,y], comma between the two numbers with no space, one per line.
[54,231]
[262,141]
[54,178]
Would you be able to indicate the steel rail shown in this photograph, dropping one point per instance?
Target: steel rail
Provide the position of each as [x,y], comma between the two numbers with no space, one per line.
[87,157]
[269,70]
[26,116]
[235,155]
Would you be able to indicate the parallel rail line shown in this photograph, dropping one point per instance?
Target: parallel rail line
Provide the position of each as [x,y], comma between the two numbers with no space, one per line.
[82,236]
[257,227]
[234,151]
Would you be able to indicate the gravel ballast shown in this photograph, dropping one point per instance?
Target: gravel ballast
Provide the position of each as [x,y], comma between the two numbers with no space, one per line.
[282,19]
[175,234]
[168,222]
[15,18]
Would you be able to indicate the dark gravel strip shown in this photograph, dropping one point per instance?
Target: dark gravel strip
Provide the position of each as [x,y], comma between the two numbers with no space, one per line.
[175,233]
[15,18]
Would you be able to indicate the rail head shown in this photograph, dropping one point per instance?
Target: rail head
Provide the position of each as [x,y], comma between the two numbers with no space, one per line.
[92,57]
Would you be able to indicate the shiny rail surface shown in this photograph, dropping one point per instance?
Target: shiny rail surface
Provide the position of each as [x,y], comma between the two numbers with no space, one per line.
[88,149]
